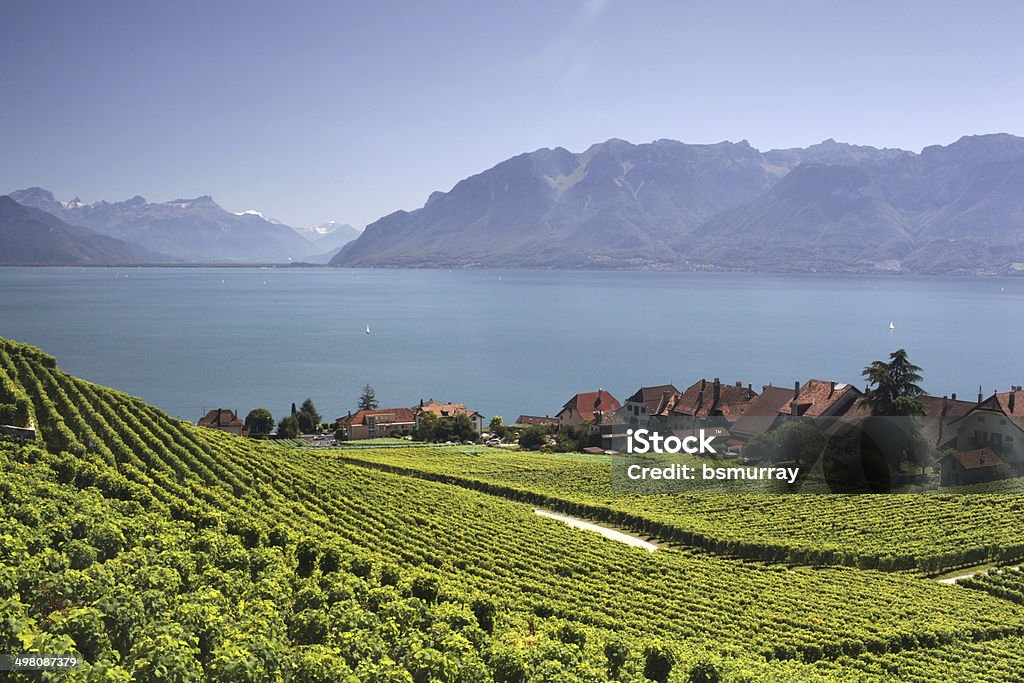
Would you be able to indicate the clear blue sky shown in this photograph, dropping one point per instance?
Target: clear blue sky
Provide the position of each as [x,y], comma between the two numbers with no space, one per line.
[350,110]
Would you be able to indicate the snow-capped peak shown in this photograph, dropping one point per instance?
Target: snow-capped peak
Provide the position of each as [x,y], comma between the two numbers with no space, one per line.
[250,212]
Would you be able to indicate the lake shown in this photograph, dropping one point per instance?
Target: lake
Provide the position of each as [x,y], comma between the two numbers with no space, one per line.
[503,342]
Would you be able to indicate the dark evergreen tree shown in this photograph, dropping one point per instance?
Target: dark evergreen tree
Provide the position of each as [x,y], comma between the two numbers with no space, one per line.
[893,389]
[368,401]
[308,417]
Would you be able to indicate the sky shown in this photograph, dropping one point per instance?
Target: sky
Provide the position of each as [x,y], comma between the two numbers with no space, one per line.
[348,111]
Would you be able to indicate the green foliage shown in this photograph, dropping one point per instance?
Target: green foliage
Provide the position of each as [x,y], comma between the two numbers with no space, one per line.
[888,532]
[164,552]
[288,427]
[485,610]
[432,428]
[798,441]
[570,438]
[658,663]
[259,422]
[894,390]
[308,417]
[497,427]
[427,427]
[534,436]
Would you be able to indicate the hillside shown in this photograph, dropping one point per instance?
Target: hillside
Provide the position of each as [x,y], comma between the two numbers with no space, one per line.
[668,205]
[162,551]
[614,205]
[31,237]
[957,209]
[193,230]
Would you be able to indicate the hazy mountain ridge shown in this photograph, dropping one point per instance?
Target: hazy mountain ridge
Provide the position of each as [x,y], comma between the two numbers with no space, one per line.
[615,204]
[666,204]
[953,209]
[195,230]
[33,237]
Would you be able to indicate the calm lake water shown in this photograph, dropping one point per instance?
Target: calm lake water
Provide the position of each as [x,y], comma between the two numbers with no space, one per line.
[505,343]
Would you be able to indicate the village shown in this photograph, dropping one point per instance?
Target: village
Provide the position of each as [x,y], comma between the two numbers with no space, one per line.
[969,442]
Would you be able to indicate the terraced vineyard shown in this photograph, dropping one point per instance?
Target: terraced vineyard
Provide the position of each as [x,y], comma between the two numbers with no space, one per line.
[1007,584]
[927,532]
[165,552]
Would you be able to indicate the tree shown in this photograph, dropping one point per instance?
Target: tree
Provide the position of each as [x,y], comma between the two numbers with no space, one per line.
[888,443]
[799,442]
[368,401]
[894,390]
[427,428]
[533,437]
[462,428]
[308,417]
[497,427]
[288,427]
[259,422]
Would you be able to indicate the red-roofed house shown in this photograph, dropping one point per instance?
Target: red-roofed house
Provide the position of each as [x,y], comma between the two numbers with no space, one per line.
[378,423]
[996,422]
[969,467]
[223,419]
[591,406]
[705,404]
[762,413]
[645,403]
[638,412]
[819,399]
[937,426]
[447,411]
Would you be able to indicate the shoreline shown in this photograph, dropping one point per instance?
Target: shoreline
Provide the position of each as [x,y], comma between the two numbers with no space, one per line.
[1011,274]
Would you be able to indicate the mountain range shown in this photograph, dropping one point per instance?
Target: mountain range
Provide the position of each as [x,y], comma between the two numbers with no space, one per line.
[328,238]
[726,206]
[194,230]
[32,237]
[664,205]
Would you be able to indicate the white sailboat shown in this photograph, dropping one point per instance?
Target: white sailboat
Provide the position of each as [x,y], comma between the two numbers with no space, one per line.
[891,326]
[367,329]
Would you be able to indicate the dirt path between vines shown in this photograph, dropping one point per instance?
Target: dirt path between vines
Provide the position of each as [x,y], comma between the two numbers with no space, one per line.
[967,575]
[607,532]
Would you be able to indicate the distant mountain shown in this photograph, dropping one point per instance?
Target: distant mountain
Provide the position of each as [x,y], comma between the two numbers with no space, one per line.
[669,205]
[953,209]
[32,237]
[194,230]
[830,152]
[329,236]
[615,205]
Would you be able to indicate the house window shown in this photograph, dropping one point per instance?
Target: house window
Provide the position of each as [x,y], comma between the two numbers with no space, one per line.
[997,439]
[981,418]
[979,437]
[1002,422]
